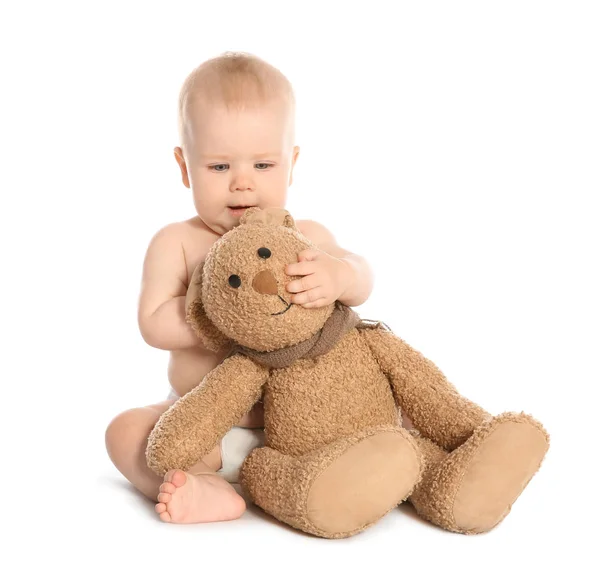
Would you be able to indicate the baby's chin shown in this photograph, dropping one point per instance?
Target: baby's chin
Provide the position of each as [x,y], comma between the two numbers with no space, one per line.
[220,225]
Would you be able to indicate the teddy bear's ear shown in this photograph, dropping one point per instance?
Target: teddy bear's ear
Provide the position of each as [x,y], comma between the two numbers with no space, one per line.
[196,316]
[269,216]
[249,215]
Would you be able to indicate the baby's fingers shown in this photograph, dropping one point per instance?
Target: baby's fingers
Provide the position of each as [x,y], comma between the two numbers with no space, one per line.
[309,255]
[303,268]
[310,296]
[306,283]
[316,304]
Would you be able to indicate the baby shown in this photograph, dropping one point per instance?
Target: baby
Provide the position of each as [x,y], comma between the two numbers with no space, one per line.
[236,123]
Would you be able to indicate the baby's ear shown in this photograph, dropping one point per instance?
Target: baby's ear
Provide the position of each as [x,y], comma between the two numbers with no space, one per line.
[196,316]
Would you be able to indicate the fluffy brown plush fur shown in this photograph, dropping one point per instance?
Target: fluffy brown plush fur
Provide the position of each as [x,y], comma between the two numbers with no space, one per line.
[336,458]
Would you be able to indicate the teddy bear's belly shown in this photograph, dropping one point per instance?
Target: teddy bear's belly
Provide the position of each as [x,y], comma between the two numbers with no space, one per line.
[314,402]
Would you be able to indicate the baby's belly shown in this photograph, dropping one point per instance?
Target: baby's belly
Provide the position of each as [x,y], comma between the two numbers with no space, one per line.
[187,367]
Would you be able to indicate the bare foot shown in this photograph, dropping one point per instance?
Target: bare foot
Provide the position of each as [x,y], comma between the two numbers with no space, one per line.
[190,498]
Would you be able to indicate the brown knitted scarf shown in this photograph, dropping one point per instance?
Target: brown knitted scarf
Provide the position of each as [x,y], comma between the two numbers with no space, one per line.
[341,320]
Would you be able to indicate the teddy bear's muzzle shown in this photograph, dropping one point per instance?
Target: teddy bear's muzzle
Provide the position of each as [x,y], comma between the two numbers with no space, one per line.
[265,283]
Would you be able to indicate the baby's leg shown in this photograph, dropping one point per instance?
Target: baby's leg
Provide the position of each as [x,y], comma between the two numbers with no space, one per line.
[196,496]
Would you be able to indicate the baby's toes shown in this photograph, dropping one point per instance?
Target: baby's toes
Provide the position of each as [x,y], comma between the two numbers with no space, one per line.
[163,514]
[164,497]
[178,478]
[169,475]
[167,487]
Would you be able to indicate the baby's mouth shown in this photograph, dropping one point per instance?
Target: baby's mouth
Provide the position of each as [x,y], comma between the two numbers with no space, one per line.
[288,306]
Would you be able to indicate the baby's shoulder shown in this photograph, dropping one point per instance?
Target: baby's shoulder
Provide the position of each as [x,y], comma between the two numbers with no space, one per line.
[314,232]
[183,242]
[182,230]
[190,234]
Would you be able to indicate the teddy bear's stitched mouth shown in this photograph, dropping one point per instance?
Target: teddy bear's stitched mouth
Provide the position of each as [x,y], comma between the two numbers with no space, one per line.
[288,306]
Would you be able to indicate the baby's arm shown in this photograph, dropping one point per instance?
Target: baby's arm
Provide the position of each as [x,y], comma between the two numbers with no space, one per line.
[161,314]
[358,276]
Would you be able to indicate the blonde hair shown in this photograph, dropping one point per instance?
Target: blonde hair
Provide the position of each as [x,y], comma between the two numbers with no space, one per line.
[235,80]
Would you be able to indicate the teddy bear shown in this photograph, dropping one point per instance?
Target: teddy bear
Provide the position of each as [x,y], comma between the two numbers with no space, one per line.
[334,386]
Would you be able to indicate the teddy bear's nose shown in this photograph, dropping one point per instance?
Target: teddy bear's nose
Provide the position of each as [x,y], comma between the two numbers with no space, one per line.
[265,283]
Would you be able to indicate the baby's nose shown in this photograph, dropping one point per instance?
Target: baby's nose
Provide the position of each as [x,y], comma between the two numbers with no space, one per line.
[241,182]
[265,283]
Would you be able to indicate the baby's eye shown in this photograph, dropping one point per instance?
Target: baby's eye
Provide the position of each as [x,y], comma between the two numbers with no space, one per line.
[219,168]
[263,166]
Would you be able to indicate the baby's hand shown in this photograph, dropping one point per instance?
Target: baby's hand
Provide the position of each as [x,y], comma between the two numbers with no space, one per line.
[326,278]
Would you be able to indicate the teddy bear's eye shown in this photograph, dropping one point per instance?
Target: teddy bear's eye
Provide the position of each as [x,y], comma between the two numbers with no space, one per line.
[235,281]
[264,253]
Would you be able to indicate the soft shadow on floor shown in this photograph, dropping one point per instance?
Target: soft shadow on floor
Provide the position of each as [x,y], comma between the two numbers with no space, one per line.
[407,509]
[259,514]
[253,512]
[122,485]
[147,506]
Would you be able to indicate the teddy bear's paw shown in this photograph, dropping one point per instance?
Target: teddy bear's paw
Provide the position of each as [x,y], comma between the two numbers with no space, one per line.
[505,454]
[362,484]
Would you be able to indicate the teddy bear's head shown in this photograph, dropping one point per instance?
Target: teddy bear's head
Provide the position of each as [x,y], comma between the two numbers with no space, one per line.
[238,294]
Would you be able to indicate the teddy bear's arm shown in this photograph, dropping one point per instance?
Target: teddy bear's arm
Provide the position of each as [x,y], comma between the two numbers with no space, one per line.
[194,424]
[431,402]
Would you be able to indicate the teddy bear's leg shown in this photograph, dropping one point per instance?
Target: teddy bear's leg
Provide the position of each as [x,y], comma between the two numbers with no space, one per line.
[340,489]
[472,489]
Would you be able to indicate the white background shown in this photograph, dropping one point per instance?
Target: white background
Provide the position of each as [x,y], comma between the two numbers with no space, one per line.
[455,145]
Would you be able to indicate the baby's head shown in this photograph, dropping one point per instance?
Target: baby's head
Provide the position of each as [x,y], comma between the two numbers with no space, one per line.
[236,129]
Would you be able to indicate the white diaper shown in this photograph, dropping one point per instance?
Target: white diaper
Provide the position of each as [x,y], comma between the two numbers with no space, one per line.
[237,443]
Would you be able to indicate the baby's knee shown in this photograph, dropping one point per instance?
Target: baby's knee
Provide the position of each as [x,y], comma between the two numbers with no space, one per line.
[128,429]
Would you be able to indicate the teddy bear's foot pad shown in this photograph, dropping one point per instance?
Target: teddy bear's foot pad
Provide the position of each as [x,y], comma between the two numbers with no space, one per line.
[497,473]
[364,483]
